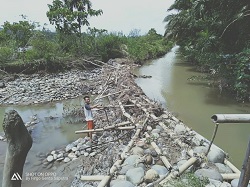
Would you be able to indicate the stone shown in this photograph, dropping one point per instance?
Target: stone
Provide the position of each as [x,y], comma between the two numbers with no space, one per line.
[53,152]
[148,159]
[67,159]
[223,168]
[135,175]
[149,128]
[121,183]
[200,150]
[60,155]
[86,154]
[137,151]
[72,155]
[209,173]
[147,151]
[180,129]
[215,183]
[161,170]
[124,169]
[55,156]
[131,160]
[50,158]
[92,154]
[69,147]
[74,149]
[216,155]
[156,131]
[235,182]
[159,128]
[151,175]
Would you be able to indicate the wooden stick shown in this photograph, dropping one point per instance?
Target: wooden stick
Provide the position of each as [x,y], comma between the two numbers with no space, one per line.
[231,166]
[109,94]
[187,164]
[99,130]
[230,176]
[158,150]
[92,177]
[182,168]
[104,128]
[124,112]
[91,62]
[105,63]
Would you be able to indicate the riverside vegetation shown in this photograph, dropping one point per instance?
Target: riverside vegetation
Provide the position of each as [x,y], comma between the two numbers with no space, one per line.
[215,35]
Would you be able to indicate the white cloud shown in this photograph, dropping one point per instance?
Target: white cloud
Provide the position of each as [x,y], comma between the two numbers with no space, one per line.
[118,15]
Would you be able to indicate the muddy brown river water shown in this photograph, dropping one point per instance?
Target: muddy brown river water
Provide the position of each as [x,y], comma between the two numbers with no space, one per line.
[194,102]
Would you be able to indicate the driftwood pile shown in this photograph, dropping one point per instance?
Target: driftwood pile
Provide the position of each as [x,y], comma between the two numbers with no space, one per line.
[137,137]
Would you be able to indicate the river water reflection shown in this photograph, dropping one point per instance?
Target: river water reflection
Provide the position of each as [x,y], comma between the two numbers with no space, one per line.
[194,102]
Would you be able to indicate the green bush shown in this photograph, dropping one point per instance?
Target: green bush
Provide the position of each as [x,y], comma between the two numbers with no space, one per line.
[110,46]
[6,54]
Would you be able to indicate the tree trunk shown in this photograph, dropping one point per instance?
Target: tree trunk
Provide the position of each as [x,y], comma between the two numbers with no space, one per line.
[19,144]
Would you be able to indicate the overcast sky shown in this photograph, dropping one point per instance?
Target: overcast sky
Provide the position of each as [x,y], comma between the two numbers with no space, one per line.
[118,15]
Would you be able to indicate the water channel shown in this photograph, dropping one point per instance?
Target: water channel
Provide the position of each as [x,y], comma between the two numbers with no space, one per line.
[194,102]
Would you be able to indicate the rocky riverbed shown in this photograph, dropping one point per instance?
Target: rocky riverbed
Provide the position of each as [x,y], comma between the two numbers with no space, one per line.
[152,146]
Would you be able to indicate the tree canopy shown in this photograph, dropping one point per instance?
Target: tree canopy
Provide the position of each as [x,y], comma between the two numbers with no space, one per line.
[215,35]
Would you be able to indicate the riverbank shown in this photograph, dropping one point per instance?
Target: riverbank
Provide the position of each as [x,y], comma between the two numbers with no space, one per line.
[154,145]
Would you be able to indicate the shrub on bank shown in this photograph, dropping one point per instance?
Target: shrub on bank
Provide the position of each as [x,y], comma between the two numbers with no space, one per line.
[6,54]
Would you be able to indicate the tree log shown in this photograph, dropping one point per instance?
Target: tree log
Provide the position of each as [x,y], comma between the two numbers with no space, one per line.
[19,143]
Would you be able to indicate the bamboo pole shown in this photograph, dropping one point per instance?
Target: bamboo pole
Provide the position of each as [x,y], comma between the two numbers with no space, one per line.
[103,129]
[106,179]
[92,177]
[231,166]
[182,168]
[230,176]
[158,150]
[187,164]
[124,112]
[104,182]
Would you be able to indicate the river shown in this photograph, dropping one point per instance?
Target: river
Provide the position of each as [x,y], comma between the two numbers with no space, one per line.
[52,132]
[194,102]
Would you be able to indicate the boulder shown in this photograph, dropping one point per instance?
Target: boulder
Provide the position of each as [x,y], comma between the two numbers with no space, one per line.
[216,155]
[50,158]
[209,173]
[135,175]
[121,183]
[223,168]
[137,151]
[180,129]
[161,170]
[151,175]
[235,182]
